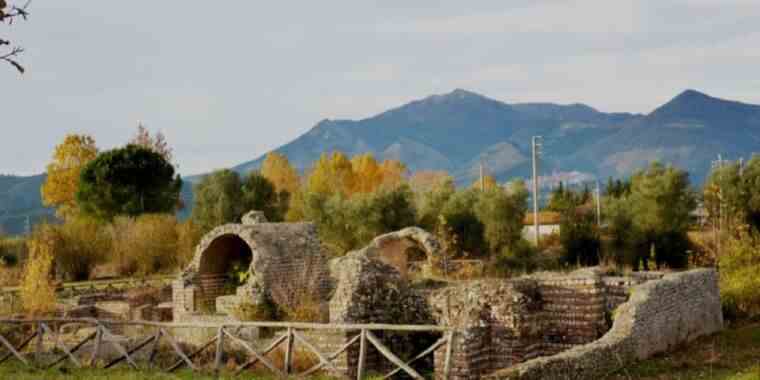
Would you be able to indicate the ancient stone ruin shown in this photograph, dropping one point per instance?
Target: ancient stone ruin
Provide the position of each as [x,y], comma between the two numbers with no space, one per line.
[543,326]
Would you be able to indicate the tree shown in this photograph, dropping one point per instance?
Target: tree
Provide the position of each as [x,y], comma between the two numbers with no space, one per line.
[657,211]
[346,223]
[8,14]
[156,143]
[426,180]
[460,216]
[579,238]
[63,173]
[502,217]
[128,181]
[489,183]
[277,169]
[37,289]
[731,192]
[432,201]
[332,174]
[393,173]
[218,200]
[368,175]
[259,194]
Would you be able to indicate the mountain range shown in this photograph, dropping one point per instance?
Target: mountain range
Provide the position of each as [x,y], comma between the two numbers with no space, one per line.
[461,130]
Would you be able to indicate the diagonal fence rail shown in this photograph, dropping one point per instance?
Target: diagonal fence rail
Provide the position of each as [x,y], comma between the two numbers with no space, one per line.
[227,336]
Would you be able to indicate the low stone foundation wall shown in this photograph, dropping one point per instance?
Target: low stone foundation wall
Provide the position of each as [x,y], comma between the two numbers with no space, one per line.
[658,316]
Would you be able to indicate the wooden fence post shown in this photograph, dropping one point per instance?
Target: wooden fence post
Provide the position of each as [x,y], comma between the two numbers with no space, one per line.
[447,359]
[362,355]
[288,365]
[96,346]
[219,350]
[40,347]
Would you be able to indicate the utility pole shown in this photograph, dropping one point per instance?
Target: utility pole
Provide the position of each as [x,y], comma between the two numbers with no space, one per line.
[718,164]
[482,178]
[598,205]
[536,145]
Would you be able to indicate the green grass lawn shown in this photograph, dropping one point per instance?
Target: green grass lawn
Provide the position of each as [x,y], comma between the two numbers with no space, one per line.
[731,355]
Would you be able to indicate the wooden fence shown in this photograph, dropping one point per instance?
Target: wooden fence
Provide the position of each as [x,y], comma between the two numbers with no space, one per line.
[9,296]
[225,337]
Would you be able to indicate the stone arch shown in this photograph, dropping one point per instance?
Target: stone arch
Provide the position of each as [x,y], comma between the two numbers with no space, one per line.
[394,248]
[276,254]
[223,254]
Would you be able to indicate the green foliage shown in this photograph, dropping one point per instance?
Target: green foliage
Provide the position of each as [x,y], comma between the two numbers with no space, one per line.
[250,312]
[350,223]
[128,181]
[502,215]
[579,238]
[739,280]
[222,197]
[260,194]
[217,200]
[12,251]
[516,259]
[736,190]
[431,201]
[562,199]
[460,215]
[656,212]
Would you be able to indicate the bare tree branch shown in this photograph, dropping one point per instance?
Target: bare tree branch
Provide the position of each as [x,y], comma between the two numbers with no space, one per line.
[8,16]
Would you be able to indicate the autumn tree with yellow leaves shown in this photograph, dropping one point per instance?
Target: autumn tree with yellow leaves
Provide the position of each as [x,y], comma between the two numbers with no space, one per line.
[278,170]
[63,173]
[332,174]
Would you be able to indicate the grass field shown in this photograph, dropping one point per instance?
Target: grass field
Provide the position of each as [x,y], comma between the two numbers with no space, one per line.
[731,355]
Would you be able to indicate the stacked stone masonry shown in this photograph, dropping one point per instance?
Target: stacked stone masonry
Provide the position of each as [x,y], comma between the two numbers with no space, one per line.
[544,326]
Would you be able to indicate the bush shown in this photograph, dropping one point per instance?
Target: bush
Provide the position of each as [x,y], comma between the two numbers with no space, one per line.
[37,289]
[12,251]
[81,243]
[145,245]
[519,258]
[250,312]
[345,224]
[739,280]
[189,235]
[579,239]
[300,299]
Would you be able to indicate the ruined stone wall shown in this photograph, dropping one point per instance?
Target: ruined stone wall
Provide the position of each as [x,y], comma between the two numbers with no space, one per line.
[507,322]
[660,315]
[283,257]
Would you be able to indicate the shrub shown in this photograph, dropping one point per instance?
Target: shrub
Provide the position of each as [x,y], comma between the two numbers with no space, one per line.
[250,312]
[518,258]
[502,217]
[145,245]
[81,243]
[37,289]
[189,235]
[739,280]
[349,223]
[579,239]
[300,299]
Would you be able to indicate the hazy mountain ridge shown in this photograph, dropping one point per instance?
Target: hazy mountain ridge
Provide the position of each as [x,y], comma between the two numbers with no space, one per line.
[460,130]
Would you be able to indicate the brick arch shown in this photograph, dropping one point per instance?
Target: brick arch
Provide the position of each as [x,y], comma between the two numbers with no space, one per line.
[223,253]
[393,248]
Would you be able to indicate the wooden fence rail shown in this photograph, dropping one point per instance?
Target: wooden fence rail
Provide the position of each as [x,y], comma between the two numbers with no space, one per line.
[227,335]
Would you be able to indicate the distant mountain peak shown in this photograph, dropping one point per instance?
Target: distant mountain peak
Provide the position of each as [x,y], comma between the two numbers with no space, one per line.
[457,95]
[693,104]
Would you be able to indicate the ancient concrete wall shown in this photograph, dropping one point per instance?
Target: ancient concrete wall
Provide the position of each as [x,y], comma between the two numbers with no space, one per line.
[280,255]
[660,315]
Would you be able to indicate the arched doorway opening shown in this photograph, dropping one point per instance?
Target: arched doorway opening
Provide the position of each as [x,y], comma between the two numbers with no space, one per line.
[224,266]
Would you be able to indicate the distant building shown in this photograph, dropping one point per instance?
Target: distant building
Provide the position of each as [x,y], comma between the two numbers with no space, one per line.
[549,222]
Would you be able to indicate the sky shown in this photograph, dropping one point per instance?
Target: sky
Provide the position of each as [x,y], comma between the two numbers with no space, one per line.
[229,81]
